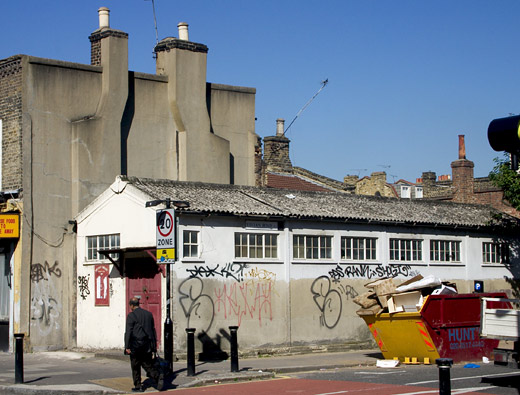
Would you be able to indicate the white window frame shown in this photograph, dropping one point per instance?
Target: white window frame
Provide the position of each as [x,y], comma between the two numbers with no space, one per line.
[102,242]
[418,192]
[406,192]
[320,247]
[192,243]
[445,251]
[256,245]
[406,250]
[497,253]
[366,248]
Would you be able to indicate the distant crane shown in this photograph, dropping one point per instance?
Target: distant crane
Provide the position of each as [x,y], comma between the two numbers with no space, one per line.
[155,22]
[323,85]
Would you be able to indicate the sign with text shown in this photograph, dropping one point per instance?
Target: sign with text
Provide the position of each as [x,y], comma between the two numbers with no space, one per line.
[9,225]
[165,235]
[101,273]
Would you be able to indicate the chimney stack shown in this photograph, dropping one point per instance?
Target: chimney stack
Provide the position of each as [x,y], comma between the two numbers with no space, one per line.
[104,17]
[280,126]
[462,147]
[183,31]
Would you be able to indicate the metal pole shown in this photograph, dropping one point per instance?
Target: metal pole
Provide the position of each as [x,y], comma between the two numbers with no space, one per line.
[168,324]
[444,365]
[18,358]
[234,348]
[191,351]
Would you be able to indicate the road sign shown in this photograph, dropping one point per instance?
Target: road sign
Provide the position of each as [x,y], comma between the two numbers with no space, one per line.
[165,235]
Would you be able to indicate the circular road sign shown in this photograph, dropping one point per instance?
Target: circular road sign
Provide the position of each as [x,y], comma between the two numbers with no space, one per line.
[165,223]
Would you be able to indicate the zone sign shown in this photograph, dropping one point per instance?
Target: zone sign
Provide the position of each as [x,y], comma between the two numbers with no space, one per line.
[165,229]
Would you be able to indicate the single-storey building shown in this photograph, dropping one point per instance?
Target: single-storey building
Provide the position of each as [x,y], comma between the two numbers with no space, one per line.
[283,266]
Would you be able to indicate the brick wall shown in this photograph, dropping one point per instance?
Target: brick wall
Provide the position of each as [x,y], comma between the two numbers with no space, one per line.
[95,43]
[11,116]
[276,154]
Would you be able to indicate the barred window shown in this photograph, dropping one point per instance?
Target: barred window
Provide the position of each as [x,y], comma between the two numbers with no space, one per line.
[444,251]
[358,248]
[256,245]
[102,242]
[190,244]
[406,250]
[495,253]
[312,247]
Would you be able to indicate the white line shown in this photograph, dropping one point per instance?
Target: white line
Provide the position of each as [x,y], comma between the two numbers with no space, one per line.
[382,373]
[462,378]
[332,393]
[454,392]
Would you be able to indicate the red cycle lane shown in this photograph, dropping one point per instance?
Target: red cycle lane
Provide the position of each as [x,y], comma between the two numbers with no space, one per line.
[309,387]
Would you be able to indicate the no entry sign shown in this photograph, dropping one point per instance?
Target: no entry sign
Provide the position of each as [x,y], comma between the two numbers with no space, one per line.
[165,236]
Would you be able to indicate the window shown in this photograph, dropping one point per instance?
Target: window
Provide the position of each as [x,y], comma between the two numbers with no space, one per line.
[405,192]
[102,242]
[418,192]
[495,253]
[405,250]
[358,248]
[256,245]
[190,244]
[312,247]
[444,251]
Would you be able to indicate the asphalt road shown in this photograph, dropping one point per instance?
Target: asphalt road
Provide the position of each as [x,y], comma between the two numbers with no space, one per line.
[403,380]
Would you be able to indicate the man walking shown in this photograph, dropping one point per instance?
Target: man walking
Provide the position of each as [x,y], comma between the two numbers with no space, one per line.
[141,344]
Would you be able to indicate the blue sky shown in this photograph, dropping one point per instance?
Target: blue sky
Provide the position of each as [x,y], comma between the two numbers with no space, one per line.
[405,77]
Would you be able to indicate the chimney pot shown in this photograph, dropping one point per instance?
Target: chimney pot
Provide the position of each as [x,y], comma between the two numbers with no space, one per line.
[280,126]
[462,147]
[183,31]
[104,17]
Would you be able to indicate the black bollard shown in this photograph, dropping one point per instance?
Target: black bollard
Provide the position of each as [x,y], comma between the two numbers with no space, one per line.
[444,365]
[168,342]
[18,358]
[191,351]
[234,348]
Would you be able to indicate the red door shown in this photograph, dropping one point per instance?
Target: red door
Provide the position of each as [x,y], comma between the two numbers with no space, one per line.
[144,281]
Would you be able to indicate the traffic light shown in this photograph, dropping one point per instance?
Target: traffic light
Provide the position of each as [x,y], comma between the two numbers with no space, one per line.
[504,135]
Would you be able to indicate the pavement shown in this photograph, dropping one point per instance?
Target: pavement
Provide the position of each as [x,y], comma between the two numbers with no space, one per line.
[78,373]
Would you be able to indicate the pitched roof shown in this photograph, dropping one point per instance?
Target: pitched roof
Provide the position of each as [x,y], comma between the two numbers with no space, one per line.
[290,181]
[335,206]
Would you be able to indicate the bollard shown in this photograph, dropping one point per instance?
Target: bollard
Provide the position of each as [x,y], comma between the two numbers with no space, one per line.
[191,351]
[18,358]
[234,348]
[444,365]
[168,343]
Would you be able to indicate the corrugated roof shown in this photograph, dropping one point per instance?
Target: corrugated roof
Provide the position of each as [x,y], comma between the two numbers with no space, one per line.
[254,201]
[290,181]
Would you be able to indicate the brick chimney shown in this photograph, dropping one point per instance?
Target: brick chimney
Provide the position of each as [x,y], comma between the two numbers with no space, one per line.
[462,172]
[276,150]
[104,31]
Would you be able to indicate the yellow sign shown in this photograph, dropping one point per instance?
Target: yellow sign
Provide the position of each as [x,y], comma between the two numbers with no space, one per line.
[166,255]
[9,226]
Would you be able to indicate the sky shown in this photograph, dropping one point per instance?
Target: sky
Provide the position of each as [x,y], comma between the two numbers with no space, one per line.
[405,78]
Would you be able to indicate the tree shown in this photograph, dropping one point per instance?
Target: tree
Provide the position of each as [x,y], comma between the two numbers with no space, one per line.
[506,179]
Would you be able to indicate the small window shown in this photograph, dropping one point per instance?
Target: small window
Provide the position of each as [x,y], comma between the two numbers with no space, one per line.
[256,245]
[190,244]
[405,192]
[444,251]
[358,248]
[418,192]
[102,242]
[312,247]
[406,250]
[495,253]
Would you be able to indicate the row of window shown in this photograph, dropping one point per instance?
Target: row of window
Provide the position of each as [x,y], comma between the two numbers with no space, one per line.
[265,246]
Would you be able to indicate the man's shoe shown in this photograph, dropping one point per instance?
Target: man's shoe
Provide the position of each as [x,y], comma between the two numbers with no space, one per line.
[137,389]
[160,382]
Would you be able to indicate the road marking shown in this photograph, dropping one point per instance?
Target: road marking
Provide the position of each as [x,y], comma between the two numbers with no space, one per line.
[454,392]
[332,393]
[461,378]
[382,373]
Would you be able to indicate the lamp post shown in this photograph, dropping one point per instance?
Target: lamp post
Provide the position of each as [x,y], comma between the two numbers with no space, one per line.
[162,222]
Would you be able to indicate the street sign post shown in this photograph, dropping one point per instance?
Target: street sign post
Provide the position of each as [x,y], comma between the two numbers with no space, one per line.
[165,236]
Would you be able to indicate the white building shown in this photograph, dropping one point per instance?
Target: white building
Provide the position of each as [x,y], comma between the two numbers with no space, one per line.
[282,265]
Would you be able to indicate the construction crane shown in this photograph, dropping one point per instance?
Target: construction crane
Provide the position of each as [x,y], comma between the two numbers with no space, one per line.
[323,85]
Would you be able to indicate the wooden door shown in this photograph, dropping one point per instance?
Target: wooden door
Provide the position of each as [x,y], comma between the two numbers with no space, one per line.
[144,281]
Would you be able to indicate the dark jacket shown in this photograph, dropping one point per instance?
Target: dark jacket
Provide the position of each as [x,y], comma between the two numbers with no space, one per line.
[140,331]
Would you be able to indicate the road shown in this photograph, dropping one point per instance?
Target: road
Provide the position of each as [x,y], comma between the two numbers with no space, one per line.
[403,380]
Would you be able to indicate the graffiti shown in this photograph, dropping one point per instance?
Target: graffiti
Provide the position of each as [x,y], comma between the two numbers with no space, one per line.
[230,270]
[251,298]
[328,301]
[348,291]
[369,271]
[43,272]
[195,304]
[261,274]
[45,309]
[84,291]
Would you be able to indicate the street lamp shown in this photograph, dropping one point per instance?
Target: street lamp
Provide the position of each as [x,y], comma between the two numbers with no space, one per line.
[168,323]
